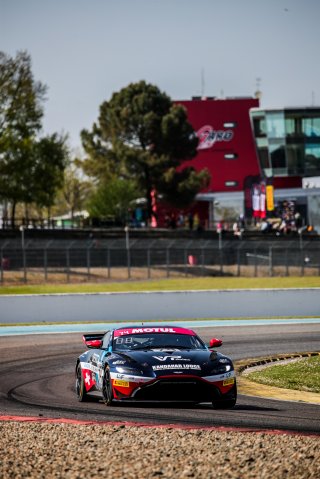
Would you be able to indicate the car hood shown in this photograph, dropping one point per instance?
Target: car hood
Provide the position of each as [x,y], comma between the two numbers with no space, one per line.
[160,361]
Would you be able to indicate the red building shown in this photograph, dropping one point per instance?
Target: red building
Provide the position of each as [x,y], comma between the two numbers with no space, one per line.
[226,144]
[257,159]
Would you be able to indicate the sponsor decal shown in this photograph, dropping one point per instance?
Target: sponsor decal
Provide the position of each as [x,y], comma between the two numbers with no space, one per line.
[160,367]
[173,358]
[228,382]
[123,332]
[123,384]
[118,362]
[90,366]
[126,377]
[219,377]
[208,136]
[89,380]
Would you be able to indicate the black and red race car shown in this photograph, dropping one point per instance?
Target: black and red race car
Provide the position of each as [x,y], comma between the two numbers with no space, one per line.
[154,363]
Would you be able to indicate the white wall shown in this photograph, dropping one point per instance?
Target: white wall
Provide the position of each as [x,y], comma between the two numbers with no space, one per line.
[159,305]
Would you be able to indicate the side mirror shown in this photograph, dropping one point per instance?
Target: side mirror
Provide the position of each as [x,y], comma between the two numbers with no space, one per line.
[215,343]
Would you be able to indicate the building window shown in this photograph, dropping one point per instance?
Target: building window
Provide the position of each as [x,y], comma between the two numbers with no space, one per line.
[311,127]
[231,156]
[231,183]
[230,124]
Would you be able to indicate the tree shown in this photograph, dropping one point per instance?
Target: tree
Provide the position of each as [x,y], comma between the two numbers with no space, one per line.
[30,167]
[113,198]
[74,193]
[143,136]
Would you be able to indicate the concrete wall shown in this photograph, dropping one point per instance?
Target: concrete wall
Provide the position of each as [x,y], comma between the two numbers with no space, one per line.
[159,305]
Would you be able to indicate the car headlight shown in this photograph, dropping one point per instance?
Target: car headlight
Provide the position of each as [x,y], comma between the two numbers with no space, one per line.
[128,370]
[222,366]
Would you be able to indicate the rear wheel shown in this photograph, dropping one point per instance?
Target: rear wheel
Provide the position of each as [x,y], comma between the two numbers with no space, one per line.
[80,386]
[107,392]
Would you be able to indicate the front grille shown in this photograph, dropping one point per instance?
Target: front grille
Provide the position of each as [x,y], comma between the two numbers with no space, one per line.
[180,389]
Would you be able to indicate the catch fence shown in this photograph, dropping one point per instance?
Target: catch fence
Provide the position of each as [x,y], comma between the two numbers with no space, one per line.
[98,261]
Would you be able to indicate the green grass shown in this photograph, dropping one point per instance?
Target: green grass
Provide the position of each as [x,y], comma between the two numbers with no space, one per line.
[167,285]
[302,375]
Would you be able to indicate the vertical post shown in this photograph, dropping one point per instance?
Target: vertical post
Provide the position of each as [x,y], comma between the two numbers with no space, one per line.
[68,264]
[23,254]
[108,263]
[45,264]
[302,263]
[1,265]
[185,262]
[238,261]
[126,229]
[22,236]
[221,261]
[88,262]
[255,263]
[287,263]
[270,261]
[202,261]
[148,263]
[168,262]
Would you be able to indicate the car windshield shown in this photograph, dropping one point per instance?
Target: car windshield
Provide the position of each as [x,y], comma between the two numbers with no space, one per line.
[157,341]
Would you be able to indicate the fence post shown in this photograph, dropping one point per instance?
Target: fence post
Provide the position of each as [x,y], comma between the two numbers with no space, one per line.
[287,263]
[126,230]
[238,261]
[45,264]
[270,261]
[302,263]
[255,263]
[68,264]
[108,263]
[148,263]
[202,261]
[88,262]
[1,266]
[24,260]
[185,262]
[221,260]
[168,261]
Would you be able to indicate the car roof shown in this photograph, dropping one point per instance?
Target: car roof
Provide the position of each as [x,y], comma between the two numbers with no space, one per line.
[167,329]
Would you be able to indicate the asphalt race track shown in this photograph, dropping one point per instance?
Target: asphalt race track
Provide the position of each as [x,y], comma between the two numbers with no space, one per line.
[37,379]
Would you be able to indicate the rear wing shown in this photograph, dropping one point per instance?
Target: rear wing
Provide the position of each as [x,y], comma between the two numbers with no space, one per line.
[93,340]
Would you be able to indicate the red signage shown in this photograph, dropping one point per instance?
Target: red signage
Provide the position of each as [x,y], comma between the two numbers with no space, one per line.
[208,136]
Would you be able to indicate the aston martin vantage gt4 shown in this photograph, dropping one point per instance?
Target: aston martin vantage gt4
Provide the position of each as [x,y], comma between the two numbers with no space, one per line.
[154,363]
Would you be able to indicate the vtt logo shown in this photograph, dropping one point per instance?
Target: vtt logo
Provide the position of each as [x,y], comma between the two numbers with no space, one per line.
[173,358]
[208,136]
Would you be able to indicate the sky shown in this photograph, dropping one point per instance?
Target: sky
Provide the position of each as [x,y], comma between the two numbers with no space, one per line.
[85,50]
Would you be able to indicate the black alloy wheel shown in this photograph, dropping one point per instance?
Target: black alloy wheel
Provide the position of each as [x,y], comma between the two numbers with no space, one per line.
[228,402]
[107,392]
[80,386]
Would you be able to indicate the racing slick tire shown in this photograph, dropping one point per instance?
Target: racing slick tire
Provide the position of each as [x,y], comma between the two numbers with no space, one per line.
[80,387]
[228,402]
[107,392]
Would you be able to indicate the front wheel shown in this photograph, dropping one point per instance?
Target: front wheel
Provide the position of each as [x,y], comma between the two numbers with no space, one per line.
[227,402]
[80,386]
[107,392]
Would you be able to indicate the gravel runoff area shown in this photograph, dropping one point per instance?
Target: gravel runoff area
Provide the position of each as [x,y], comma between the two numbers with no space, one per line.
[59,450]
